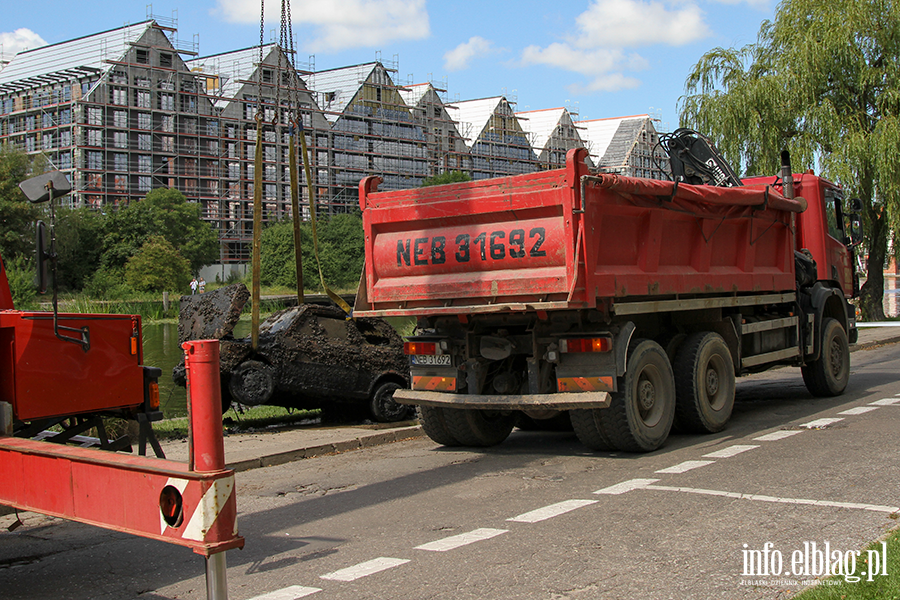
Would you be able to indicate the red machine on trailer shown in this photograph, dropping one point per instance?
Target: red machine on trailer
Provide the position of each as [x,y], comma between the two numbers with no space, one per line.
[627,302]
[74,369]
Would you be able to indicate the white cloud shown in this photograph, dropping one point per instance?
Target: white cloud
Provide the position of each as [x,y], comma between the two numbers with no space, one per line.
[607,28]
[18,40]
[631,23]
[341,24]
[459,58]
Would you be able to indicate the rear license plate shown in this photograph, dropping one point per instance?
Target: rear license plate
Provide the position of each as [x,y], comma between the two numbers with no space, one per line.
[428,359]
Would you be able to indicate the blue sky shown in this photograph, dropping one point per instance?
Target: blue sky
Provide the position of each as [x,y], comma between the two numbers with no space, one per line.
[603,58]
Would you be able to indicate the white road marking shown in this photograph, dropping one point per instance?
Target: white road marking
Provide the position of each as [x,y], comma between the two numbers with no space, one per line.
[819,423]
[859,410]
[462,539]
[376,565]
[554,510]
[762,498]
[885,402]
[777,435]
[686,466]
[289,593]
[730,451]
[626,486]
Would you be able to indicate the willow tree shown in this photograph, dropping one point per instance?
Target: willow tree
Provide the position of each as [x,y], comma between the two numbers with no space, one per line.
[822,81]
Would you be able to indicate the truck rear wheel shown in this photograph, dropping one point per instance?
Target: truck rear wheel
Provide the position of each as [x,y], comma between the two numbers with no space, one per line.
[588,430]
[829,375]
[432,420]
[640,414]
[482,428]
[704,383]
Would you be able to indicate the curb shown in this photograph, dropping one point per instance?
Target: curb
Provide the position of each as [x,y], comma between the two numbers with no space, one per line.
[363,441]
[875,344]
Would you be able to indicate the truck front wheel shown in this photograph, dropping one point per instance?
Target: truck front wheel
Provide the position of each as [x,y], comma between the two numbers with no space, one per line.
[829,375]
[640,414]
[704,383]
[481,428]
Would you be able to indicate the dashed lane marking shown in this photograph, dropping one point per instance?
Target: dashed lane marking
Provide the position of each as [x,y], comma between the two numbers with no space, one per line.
[686,466]
[777,435]
[376,565]
[554,510]
[859,410]
[462,539]
[730,451]
[626,486]
[762,498]
[885,402]
[289,593]
[821,423]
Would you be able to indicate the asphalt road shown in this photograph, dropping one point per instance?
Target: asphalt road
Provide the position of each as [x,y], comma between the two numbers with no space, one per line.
[537,517]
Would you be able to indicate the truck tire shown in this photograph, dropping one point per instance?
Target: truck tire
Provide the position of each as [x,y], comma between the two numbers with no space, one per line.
[383,407]
[641,413]
[587,429]
[482,428]
[704,383]
[252,383]
[829,375]
[431,418]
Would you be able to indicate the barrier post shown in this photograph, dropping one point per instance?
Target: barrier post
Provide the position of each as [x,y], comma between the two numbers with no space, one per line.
[206,443]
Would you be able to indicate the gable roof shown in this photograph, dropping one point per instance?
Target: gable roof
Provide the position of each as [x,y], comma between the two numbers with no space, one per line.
[413,94]
[234,69]
[337,87]
[540,124]
[611,139]
[70,59]
[475,113]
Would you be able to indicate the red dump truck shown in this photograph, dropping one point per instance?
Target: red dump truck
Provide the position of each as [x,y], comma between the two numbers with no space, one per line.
[630,303]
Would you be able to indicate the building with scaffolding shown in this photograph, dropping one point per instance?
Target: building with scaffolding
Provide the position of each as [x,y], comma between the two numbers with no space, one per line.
[128,110]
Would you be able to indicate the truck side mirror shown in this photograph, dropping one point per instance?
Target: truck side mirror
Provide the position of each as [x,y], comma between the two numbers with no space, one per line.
[856,205]
[42,257]
[854,231]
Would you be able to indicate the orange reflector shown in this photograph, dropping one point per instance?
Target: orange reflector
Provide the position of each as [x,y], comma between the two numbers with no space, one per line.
[154,395]
[434,384]
[420,348]
[170,505]
[596,344]
[133,346]
[585,384]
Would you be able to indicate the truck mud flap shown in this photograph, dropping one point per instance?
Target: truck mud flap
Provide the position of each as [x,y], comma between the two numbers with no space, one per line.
[564,401]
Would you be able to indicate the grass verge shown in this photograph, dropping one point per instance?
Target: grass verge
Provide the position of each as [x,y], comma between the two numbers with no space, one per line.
[882,587]
[248,419]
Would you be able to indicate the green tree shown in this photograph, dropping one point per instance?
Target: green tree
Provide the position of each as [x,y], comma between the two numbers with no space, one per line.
[447,177]
[158,267]
[164,212]
[17,215]
[821,81]
[77,232]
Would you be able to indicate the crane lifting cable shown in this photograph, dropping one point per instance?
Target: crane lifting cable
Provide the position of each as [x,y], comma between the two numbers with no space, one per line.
[257,193]
[295,121]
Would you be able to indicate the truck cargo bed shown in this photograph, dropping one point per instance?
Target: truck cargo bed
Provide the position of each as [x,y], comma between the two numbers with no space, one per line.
[569,239]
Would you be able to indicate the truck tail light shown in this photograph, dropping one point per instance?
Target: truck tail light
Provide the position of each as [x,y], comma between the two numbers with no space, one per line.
[592,344]
[419,348]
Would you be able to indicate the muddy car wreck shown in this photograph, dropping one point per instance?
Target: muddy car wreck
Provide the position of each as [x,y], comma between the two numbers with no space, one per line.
[309,356]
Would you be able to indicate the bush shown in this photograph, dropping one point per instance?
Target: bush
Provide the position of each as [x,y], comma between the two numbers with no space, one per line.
[108,284]
[20,272]
[158,267]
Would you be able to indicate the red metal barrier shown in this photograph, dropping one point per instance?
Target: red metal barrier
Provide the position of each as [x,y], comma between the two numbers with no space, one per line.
[149,497]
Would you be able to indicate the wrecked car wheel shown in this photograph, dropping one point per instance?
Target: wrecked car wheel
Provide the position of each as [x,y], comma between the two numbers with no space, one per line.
[383,407]
[251,383]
